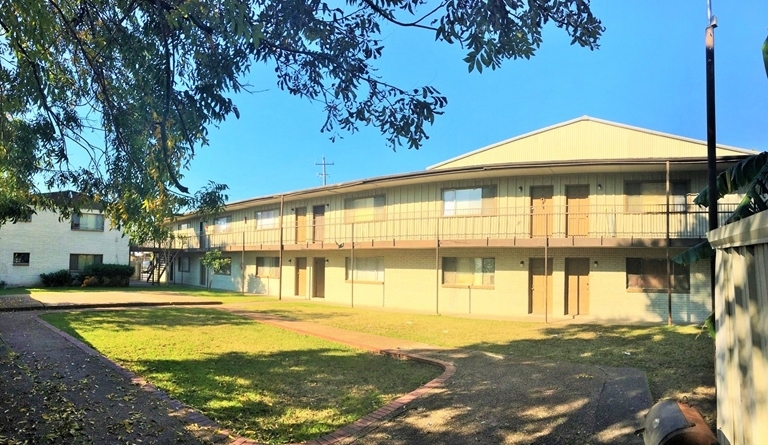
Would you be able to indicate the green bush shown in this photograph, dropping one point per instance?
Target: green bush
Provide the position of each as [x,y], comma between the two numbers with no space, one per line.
[113,275]
[56,279]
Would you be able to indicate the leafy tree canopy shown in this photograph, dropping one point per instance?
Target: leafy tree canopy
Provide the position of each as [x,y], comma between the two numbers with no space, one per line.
[136,84]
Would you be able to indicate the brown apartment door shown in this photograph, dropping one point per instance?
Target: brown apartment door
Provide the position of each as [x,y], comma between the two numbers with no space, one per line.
[301,224]
[576,286]
[318,278]
[540,295]
[541,211]
[318,223]
[301,277]
[577,209]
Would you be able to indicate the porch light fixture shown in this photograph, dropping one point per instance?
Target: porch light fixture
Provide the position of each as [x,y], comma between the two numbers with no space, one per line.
[522,263]
[290,260]
[327,261]
[520,189]
[599,186]
[595,263]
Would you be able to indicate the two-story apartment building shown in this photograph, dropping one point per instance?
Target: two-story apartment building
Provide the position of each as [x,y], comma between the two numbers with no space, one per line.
[574,220]
[45,243]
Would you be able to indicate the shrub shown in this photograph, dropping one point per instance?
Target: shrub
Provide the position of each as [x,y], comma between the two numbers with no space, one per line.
[56,279]
[113,275]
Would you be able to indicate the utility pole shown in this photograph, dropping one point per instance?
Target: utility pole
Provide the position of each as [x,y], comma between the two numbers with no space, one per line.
[709,40]
[324,175]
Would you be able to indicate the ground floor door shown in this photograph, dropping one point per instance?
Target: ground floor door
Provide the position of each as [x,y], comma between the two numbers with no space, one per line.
[540,284]
[318,278]
[203,275]
[301,277]
[576,286]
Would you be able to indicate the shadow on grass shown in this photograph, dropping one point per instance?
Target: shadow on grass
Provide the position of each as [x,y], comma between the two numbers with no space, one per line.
[127,320]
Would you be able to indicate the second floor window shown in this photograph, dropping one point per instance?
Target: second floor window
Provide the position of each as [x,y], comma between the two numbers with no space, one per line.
[469,201]
[88,221]
[651,197]
[364,209]
[222,223]
[268,219]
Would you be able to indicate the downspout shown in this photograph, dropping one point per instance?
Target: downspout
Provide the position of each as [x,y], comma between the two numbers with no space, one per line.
[280,260]
[242,265]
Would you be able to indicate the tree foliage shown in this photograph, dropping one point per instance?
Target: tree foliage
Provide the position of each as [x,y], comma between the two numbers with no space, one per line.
[214,262]
[136,84]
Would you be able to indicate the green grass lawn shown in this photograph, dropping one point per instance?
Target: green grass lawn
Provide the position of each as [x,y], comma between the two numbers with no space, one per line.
[263,382]
[676,359]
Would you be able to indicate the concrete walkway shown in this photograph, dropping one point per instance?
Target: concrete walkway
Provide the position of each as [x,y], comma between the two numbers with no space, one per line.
[480,397]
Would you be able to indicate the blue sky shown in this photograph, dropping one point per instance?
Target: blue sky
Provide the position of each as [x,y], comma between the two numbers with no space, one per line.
[649,72]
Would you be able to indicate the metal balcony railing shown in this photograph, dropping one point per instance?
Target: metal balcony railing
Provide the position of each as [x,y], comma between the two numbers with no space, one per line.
[593,221]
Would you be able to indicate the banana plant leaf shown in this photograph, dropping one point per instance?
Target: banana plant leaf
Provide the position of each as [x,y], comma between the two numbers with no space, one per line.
[751,175]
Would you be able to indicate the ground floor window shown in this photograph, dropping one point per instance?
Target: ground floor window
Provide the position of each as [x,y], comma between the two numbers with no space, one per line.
[469,271]
[21,258]
[650,275]
[78,261]
[184,264]
[225,268]
[268,267]
[365,269]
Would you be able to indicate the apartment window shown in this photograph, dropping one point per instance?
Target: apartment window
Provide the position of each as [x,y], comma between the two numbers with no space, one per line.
[185,226]
[88,221]
[225,268]
[268,219]
[469,271]
[651,197]
[364,209]
[268,267]
[222,223]
[366,269]
[21,258]
[650,275]
[78,261]
[469,201]
[183,264]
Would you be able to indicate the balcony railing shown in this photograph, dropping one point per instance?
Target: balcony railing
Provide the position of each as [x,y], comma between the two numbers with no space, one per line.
[649,222]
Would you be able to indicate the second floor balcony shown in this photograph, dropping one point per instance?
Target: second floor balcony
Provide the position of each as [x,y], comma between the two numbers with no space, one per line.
[588,226]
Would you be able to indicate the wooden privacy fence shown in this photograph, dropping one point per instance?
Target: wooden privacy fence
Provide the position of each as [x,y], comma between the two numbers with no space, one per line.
[741,310]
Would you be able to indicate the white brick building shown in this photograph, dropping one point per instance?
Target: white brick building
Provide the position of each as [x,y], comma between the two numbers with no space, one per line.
[45,244]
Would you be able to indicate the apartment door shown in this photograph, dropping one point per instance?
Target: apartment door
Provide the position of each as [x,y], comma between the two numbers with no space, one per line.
[577,210]
[576,286]
[540,295]
[201,235]
[318,223]
[203,274]
[301,224]
[301,277]
[318,278]
[541,211]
